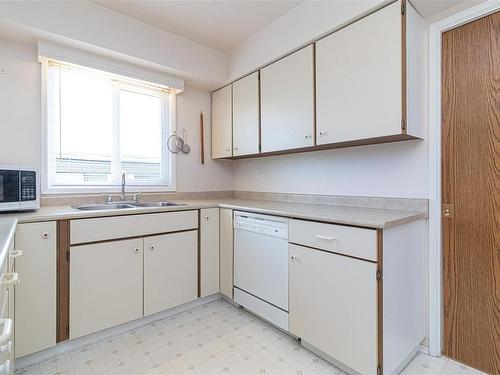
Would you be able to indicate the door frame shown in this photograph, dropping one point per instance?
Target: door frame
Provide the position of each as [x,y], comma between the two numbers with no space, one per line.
[435,308]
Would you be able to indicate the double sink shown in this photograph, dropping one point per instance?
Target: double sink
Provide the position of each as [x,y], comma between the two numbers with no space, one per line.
[121,206]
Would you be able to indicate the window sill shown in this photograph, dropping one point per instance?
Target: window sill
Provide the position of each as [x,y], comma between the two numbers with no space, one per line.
[131,189]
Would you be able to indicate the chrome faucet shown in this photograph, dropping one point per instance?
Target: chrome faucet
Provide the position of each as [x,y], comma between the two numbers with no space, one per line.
[122,195]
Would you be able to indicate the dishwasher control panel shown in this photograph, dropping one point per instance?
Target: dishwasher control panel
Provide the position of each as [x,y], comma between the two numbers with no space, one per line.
[263,224]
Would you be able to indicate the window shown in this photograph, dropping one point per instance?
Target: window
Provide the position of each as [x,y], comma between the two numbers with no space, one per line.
[100,125]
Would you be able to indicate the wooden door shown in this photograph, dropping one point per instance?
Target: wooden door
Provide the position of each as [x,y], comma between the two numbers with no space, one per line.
[37,290]
[170,270]
[471,192]
[209,251]
[106,285]
[333,305]
[246,115]
[222,123]
[287,102]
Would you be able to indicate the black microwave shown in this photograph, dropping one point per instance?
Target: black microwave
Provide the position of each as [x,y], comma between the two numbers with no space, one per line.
[19,188]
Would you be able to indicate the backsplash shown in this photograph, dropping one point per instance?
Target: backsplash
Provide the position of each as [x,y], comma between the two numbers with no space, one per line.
[410,204]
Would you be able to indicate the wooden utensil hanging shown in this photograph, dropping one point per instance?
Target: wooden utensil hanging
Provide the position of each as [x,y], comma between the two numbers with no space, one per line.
[202,137]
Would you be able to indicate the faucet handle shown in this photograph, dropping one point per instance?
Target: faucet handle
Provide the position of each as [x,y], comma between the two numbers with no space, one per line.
[108,198]
[136,197]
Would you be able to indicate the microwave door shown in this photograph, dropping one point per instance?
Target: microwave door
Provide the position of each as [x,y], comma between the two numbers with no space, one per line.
[9,189]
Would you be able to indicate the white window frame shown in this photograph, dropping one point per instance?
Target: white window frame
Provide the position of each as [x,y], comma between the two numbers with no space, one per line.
[168,112]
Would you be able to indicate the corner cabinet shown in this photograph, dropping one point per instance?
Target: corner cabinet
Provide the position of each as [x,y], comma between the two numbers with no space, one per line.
[222,123]
[35,296]
[370,78]
[287,102]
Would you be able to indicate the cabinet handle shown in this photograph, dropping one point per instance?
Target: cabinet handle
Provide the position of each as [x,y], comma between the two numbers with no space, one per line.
[6,333]
[9,279]
[325,238]
[45,235]
[14,254]
[207,218]
[151,247]
[322,133]
[136,250]
[293,258]
[308,136]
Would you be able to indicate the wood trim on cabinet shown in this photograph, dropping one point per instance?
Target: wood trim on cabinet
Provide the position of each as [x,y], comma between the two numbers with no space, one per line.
[330,146]
[199,254]
[63,240]
[380,298]
[404,107]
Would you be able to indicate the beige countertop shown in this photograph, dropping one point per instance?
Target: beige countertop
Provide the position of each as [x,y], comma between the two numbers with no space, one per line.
[356,216]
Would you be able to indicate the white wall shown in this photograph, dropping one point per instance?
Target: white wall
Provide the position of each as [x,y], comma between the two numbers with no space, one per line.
[294,29]
[94,26]
[19,104]
[387,170]
[20,135]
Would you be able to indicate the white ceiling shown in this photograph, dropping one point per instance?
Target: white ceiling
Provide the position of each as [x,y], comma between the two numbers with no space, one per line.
[428,8]
[218,24]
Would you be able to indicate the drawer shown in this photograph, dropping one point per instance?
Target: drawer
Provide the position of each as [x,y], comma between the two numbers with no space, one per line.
[109,228]
[355,242]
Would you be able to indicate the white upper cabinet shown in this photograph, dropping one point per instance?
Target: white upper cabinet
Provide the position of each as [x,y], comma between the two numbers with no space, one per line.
[222,134]
[246,115]
[287,102]
[360,77]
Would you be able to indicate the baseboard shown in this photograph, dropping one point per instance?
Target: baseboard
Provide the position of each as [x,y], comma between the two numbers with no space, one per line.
[70,345]
[329,358]
[406,361]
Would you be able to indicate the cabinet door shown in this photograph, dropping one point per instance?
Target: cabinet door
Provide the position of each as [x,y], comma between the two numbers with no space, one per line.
[105,285]
[209,251]
[170,270]
[246,115]
[35,296]
[333,305]
[287,102]
[222,134]
[359,79]
[226,252]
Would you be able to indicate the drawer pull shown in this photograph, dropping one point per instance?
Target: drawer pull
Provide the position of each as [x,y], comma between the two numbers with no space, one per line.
[45,235]
[136,250]
[6,331]
[293,258]
[9,279]
[151,247]
[5,368]
[14,254]
[325,238]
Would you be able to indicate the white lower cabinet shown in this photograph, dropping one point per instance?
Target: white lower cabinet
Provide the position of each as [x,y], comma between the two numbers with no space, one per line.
[226,251]
[106,286]
[35,296]
[209,251]
[170,270]
[333,305]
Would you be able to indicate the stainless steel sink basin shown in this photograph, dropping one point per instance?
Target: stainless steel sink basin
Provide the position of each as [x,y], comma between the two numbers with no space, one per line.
[120,206]
[157,204]
[103,207]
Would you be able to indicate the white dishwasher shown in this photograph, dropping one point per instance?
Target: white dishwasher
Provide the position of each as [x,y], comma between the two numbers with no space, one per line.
[261,266]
